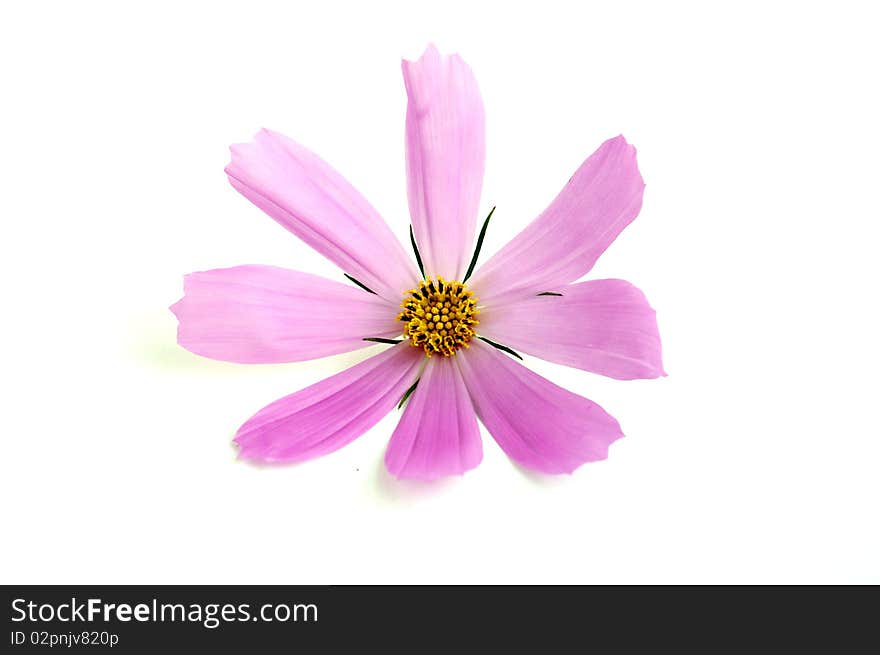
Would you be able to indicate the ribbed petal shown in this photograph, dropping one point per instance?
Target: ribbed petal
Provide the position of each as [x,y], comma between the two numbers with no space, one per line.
[538,424]
[563,243]
[328,415]
[305,195]
[264,314]
[445,157]
[438,433]
[603,326]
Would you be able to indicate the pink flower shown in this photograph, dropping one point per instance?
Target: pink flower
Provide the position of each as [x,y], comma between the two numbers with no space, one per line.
[453,333]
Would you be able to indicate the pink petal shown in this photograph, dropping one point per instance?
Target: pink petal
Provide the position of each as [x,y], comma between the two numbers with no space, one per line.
[445,155]
[264,314]
[563,243]
[328,415]
[603,326]
[437,434]
[538,424]
[303,193]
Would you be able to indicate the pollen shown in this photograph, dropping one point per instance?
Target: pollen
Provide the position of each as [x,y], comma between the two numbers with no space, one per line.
[439,316]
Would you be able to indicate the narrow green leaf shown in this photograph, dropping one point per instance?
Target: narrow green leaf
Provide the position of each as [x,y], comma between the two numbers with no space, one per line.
[509,351]
[383,340]
[412,240]
[360,284]
[479,246]
[407,394]
[549,293]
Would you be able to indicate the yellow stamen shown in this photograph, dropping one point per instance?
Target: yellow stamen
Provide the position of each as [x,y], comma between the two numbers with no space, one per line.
[439,316]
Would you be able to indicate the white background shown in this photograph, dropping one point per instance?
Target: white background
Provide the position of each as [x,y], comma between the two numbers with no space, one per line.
[756,460]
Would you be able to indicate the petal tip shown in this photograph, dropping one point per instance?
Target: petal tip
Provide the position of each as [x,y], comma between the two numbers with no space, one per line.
[403,470]
[236,154]
[239,150]
[177,307]
[247,451]
[405,474]
[430,52]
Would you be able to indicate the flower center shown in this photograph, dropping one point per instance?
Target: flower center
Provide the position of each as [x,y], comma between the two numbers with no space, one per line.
[439,316]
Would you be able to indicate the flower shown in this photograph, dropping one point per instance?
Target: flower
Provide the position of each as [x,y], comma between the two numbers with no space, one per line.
[454,329]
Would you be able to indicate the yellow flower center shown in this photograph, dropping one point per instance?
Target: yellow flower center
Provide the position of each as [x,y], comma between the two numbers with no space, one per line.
[439,316]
